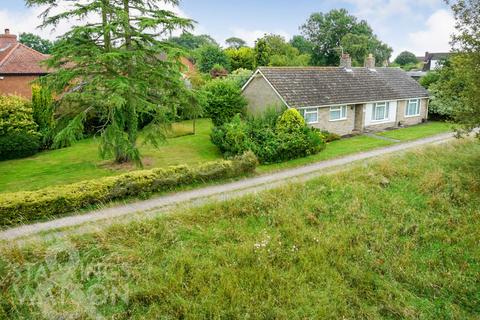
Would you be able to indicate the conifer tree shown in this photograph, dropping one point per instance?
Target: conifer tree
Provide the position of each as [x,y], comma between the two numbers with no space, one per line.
[118,62]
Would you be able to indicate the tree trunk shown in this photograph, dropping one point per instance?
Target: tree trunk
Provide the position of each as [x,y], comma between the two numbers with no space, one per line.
[106,32]
[130,121]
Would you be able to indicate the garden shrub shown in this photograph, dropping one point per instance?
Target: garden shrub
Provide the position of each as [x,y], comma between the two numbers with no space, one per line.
[271,137]
[330,136]
[18,131]
[22,207]
[290,121]
[222,100]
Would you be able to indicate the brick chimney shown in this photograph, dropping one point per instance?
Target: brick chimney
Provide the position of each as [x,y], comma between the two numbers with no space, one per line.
[370,62]
[346,61]
[7,38]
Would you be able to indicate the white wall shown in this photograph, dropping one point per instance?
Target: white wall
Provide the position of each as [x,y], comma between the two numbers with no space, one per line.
[392,114]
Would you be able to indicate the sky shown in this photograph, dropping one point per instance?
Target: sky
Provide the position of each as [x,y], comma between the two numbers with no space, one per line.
[414,25]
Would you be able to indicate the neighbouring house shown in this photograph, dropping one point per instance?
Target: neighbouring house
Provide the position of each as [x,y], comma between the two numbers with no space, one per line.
[19,66]
[343,100]
[433,61]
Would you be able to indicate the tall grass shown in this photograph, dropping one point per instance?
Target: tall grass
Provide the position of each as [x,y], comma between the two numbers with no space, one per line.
[394,239]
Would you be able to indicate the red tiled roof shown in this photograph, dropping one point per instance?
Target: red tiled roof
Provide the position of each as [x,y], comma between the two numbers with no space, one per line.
[17,58]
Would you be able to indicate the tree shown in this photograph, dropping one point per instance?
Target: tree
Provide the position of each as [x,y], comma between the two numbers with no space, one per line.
[191,42]
[359,46]
[235,43]
[223,100]
[262,53]
[43,110]
[208,56]
[302,44]
[405,58]
[277,52]
[36,42]
[327,31]
[242,58]
[459,83]
[119,68]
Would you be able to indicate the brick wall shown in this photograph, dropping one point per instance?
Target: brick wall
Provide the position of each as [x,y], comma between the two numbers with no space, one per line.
[17,85]
[408,121]
[341,127]
[260,95]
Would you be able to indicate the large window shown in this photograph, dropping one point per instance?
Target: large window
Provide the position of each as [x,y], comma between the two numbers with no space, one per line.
[413,108]
[310,115]
[380,111]
[338,113]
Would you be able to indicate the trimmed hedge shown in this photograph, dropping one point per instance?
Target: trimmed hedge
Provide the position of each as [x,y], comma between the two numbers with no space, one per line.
[26,206]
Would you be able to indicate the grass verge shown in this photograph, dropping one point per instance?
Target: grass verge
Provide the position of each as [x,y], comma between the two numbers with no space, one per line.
[419,131]
[334,149]
[396,239]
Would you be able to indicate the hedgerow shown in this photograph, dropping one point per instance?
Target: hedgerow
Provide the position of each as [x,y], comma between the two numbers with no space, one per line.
[22,207]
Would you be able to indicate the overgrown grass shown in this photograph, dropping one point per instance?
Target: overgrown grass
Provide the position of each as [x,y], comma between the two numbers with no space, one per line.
[396,239]
[419,131]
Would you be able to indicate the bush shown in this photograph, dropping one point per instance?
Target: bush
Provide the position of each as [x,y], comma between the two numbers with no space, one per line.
[271,137]
[290,121]
[22,207]
[329,136]
[222,100]
[240,76]
[18,132]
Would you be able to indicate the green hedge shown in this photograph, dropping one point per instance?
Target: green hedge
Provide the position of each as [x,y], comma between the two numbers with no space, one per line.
[23,207]
[18,132]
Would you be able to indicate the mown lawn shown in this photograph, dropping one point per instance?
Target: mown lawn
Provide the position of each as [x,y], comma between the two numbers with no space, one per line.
[396,239]
[419,131]
[82,161]
[334,149]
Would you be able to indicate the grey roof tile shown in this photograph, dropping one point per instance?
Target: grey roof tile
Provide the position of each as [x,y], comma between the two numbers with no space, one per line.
[323,86]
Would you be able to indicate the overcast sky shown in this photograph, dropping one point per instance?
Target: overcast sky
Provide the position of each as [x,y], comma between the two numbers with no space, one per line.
[414,25]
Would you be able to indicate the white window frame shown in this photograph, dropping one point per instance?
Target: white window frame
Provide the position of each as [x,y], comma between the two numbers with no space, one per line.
[386,113]
[343,113]
[310,111]
[417,108]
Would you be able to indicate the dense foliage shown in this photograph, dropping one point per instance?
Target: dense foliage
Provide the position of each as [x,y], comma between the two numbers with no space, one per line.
[405,57]
[18,131]
[119,67]
[337,28]
[458,87]
[241,58]
[43,114]
[222,100]
[191,42]
[36,42]
[240,76]
[22,207]
[210,55]
[272,137]
[274,50]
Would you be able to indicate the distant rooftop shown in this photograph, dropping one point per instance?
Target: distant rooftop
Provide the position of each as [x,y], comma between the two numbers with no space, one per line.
[17,58]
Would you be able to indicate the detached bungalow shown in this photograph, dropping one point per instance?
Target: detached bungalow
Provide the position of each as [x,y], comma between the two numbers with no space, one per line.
[343,99]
